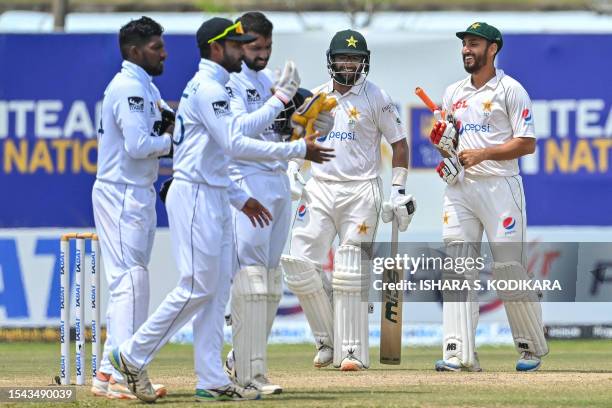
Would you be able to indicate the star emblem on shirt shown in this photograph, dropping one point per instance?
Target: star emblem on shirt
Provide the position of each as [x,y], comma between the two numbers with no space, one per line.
[487,105]
[445,218]
[475,26]
[363,228]
[354,113]
[351,42]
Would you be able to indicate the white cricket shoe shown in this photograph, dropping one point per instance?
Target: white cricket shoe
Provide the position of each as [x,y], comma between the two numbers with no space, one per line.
[117,390]
[137,380]
[99,388]
[455,365]
[350,363]
[231,392]
[324,356]
[261,383]
[528,362]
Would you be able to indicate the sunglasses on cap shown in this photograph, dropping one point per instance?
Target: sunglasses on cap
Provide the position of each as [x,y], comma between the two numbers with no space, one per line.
[237,27]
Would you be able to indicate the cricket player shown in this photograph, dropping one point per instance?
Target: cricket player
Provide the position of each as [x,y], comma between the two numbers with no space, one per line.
[198,204]
[131,138]
[257,286]
[344,198]
[490,127]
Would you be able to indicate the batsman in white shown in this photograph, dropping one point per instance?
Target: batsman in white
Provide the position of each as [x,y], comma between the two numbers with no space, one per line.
[262,109]
[131,138]
[492,127]
[198,204]
[344,198]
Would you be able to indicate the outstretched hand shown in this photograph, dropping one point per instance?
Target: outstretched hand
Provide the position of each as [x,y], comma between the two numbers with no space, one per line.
[257,212]
[315,152]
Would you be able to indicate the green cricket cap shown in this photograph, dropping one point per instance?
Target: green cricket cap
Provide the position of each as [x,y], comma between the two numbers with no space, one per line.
[485,31]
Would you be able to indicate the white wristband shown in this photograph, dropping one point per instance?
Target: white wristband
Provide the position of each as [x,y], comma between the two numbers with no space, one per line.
[399,176]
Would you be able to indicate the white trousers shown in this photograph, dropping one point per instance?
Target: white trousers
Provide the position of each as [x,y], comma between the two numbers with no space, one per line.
[349,209]
[125,223]
[263,246]
[201,233]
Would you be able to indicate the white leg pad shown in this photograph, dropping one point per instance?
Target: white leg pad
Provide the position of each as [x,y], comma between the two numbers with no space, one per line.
[523,310]
[460,310]
[350,309]
[249,303]
[273,296]
[305,282]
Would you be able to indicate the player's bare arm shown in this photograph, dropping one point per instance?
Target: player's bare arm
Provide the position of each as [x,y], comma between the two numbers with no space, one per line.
[512,149]
[400,154]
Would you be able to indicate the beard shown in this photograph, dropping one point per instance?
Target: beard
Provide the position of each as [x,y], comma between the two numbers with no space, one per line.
[154,69]
[256,64]
[478,61]
[231,64]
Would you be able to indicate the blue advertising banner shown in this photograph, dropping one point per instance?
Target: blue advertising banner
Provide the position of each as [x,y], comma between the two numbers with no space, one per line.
[568,79]
[50,90]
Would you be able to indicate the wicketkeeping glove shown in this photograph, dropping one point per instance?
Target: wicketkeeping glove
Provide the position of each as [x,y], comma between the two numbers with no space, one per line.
[451,170]
[314,115]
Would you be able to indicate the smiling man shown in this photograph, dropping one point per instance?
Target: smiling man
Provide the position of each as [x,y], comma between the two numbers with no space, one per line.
[488,126]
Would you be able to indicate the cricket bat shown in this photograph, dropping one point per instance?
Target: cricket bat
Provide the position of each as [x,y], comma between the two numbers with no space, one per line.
[391,311]
[420,92]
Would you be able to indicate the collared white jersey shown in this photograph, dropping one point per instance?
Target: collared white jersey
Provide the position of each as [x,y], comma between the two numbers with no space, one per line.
[490,116]
[255,108]
[363,115]
[129,142]
[206,133]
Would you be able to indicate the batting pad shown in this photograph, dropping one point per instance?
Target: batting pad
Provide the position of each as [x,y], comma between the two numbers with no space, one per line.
[305,282]
[273,296]
[523,310]
[460,308]
[350,310]
[249,301]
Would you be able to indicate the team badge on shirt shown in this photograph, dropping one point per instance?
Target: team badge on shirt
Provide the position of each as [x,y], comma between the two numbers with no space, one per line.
[229,91]
[221,108]
[362,228]
[486,107]
[136,103]
[253,96]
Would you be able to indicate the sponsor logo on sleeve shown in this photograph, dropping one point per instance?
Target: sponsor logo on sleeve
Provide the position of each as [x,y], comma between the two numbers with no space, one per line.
[526,115]
[221,108]
[136,103]
[253,96]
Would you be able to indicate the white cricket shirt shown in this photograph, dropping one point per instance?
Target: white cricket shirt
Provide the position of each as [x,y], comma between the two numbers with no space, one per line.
[490,116]
[363,115]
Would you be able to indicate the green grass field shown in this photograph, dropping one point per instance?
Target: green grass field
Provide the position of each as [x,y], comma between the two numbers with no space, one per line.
[575,373]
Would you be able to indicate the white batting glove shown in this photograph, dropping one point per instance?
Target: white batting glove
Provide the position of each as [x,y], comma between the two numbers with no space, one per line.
[451,170]
[400,206]
[296,181]
[324,123]
[288,83]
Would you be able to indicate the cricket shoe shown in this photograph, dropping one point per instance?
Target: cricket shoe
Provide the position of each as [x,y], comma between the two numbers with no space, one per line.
[350,363]
[230,367]
[99,388]
[455,365]
[137,380]
[231,392]
[528,362]
[117,390]
[264,386]
[324,356]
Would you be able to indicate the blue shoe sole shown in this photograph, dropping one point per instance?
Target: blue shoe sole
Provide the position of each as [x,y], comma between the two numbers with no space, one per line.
[442,365]
[525,368]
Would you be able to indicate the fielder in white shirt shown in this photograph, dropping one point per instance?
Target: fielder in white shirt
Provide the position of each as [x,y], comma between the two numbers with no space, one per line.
[131,139]
[344,198]
[490,127]
[257,288]
[198,204]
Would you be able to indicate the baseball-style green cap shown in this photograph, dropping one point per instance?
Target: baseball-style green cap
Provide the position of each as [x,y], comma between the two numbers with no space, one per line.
[348,42]
[485,31]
